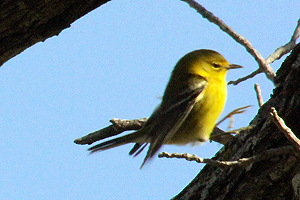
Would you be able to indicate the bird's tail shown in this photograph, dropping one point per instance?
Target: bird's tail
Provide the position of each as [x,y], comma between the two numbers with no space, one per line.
[129,138]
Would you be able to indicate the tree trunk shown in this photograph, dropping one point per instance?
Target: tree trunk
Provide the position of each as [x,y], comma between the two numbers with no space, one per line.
[275,178]
[26,22]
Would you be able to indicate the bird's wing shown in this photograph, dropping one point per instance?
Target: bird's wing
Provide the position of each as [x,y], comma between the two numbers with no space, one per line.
[168,117]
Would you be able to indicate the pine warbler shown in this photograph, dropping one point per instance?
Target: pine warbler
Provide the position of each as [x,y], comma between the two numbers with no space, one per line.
[192,102]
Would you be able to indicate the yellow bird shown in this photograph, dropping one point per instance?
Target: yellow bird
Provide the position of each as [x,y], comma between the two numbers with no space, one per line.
[191,104]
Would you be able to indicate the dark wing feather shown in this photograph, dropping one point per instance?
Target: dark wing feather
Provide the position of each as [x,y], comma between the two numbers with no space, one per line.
[165,122]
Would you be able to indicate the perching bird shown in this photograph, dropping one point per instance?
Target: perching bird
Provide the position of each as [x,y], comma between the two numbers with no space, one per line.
[191,104]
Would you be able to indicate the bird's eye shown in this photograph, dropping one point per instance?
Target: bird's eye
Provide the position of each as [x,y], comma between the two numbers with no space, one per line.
[216,65]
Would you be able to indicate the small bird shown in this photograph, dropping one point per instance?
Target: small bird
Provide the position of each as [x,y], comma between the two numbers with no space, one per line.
[192,102]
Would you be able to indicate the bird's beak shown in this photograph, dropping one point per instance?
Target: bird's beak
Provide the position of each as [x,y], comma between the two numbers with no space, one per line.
[234,66]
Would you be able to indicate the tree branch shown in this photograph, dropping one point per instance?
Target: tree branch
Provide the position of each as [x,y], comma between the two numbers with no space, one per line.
[118,126]
[258,95]
[284,129]
[263,65]
[24,23]
[224,164]
[279,52]
[285,48]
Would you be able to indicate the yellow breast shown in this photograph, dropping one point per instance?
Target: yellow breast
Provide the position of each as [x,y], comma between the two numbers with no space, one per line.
[202,118]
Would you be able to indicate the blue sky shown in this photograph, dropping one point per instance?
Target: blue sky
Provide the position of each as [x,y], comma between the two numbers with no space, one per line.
[115,63]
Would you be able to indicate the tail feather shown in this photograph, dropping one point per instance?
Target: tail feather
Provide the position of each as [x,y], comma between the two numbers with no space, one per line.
[130,138]
[136,137]
[137,149]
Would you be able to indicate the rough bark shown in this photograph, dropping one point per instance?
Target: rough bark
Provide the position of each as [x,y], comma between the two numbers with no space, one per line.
[26,22]
[275,178]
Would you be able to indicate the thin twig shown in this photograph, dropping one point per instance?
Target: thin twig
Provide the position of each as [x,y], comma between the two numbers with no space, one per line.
[231,122]
[258,95]
[239,80]
[234,112]
[279,52]
[224,164]
[265,67]
[284,129]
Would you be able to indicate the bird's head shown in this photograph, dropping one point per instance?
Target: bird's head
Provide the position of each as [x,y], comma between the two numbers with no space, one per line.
[206,63]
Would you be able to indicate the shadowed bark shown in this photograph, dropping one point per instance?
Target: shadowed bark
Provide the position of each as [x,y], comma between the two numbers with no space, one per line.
[26,22]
